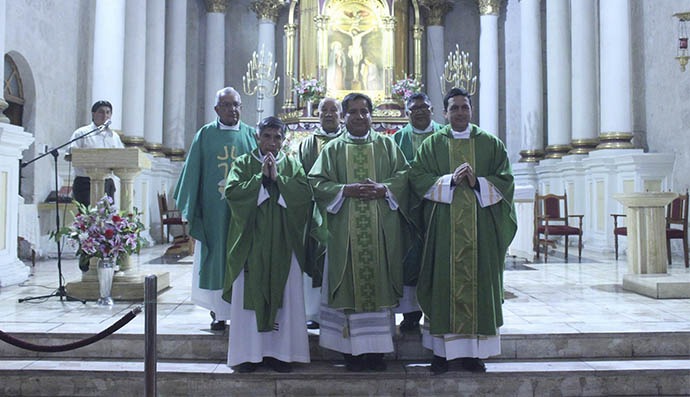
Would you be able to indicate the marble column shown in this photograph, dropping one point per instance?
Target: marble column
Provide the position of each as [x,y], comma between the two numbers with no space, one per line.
[615,83]
[488,65]
[436,11]
[558,78]
[134,80]
[108,56]
[155,72]
[214,66]
[585,100]
[3,103]
[531,85]
[175,79]
[13,141]
[267,13]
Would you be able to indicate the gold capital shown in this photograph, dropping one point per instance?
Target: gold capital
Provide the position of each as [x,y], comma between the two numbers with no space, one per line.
[489,7]
[267,9]
[436,10]
[219,6]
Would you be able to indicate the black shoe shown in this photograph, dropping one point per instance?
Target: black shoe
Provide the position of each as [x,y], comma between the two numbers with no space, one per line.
[439,365]
[410,323]
[278,365]
[375,362]
[245,368]
[312,325]
[218,325]
[354,363]
[473,364]
[84,263]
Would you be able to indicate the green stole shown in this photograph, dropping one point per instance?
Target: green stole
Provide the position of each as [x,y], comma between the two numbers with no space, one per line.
[363,228]
[463,240]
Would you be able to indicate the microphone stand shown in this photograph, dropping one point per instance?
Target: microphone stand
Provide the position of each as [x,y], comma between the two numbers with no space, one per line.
[60,292]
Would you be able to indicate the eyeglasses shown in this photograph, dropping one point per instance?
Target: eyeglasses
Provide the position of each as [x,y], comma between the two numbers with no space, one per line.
[419,109]
[226,105]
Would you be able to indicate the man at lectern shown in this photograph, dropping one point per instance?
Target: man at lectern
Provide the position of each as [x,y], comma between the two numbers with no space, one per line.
[101,111]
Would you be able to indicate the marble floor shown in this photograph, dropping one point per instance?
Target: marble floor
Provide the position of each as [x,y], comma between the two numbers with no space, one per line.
[556,297]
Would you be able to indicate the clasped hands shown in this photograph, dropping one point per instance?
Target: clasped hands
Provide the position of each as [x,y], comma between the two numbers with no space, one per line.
[464,172]
[269,168]
[365,190]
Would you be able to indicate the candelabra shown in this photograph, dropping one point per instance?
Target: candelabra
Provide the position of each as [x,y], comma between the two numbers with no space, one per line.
[458,72]
[261,79]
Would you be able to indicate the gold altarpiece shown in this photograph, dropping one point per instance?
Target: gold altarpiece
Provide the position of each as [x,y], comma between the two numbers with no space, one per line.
[352,46]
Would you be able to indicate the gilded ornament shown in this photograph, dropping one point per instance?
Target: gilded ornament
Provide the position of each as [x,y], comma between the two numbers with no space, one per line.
[217,6]
[489,7]
[436,10]
[267,9]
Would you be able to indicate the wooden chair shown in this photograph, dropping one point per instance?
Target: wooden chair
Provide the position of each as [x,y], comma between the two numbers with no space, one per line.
[551,219]
[618,230]
[677,215]
[169,217]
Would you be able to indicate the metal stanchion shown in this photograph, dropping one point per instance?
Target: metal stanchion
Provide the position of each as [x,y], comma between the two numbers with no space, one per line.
[150,333]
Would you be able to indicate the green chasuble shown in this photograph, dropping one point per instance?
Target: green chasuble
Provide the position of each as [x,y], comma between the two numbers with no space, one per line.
[262,238]
[316,233]
[460,284]
[364,236]
[409,142]
[200,194]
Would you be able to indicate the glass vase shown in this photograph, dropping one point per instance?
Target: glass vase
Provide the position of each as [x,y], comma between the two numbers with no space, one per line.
[106,270]
[310,109]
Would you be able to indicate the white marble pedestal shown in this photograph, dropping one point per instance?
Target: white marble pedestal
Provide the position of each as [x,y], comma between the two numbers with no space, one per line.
[647,260]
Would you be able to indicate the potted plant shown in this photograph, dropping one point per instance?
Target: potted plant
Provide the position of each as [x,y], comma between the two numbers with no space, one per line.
[309,90]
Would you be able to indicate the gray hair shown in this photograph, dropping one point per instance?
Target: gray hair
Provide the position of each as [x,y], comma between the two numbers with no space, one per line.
[226,91]
[337,104]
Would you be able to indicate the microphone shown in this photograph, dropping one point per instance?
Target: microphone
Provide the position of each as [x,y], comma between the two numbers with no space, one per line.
[105,125]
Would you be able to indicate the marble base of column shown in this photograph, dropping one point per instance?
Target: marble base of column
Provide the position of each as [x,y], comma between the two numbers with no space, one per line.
[531,156]
[174,154]
[615,140]
[583,146]
[557,151]
[133,141]
[156,149]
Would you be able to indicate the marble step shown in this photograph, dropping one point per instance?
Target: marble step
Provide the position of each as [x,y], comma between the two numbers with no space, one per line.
[213,346]
[403,378]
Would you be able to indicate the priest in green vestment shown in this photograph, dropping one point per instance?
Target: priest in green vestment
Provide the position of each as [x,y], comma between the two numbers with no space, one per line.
[464,176]
[421,126]
[200,195]
[359,181]
[330,116]
[270,201]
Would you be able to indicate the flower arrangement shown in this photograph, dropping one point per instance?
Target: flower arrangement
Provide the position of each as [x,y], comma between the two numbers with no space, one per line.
[309,89]
[403,88]
[103,232]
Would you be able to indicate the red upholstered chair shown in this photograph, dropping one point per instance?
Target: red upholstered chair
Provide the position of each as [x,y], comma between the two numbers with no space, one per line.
[169,217]
[677,224]
[618,230]
[552,220]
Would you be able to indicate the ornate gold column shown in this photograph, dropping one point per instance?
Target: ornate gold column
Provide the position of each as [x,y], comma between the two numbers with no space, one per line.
[289,29]
[417,32]
[436,11]
[321,22]
[389,31]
